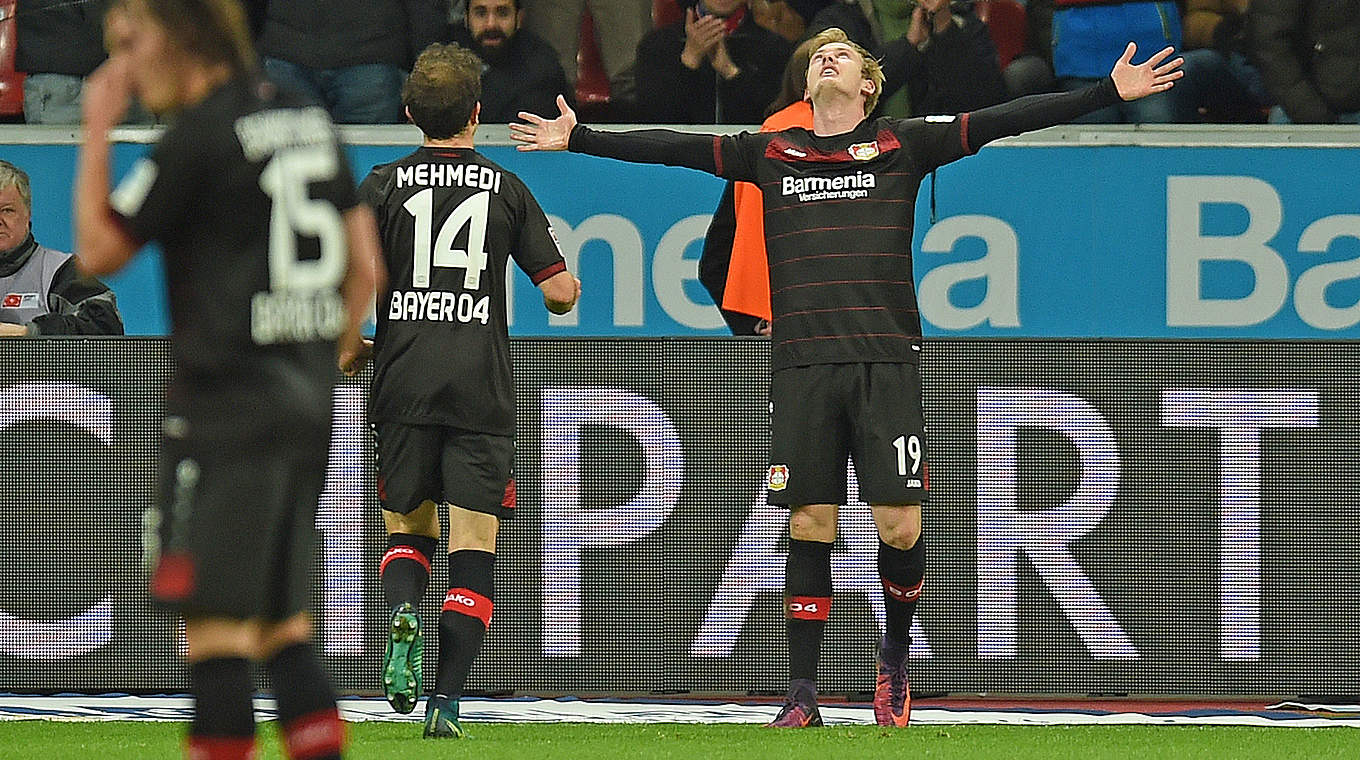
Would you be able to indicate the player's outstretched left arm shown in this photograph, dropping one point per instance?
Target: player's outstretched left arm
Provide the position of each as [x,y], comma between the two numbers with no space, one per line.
[561,292]
[1125,82]
[1154,75]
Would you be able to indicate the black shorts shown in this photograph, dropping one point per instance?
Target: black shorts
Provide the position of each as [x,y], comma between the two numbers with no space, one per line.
[418,463]
[234,532]
[822,414]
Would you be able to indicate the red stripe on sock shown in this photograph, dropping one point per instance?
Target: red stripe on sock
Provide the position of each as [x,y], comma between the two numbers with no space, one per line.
[902,593]
[807,607]
[220,748]
[318,734]
[465,601]
[404,552]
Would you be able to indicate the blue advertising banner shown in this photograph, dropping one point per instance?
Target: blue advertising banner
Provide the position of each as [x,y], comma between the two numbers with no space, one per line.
[1029,241]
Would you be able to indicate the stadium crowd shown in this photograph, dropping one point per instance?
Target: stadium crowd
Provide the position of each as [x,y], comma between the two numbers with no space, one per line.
[722,61]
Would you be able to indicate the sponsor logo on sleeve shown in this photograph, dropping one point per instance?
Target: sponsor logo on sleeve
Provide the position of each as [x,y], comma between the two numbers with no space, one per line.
[20,301]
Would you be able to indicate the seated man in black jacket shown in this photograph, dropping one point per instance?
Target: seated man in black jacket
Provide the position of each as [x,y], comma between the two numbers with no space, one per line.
[41,293]
[520,71]
[715,67]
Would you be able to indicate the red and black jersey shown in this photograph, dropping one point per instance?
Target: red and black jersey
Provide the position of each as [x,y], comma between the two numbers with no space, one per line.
[838,228]
[450,220]
[839,213]
[245,193]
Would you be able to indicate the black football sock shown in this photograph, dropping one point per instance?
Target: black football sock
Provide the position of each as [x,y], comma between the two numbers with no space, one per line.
[405,568]
[309,723]
[223,727]
[902,572]
[807,602]
[465,618]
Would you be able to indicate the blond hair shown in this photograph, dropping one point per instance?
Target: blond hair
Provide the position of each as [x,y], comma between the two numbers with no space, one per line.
[213,31]
[872,70]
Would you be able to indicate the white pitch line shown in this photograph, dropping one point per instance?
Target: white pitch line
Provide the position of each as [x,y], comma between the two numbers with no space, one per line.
[179,708]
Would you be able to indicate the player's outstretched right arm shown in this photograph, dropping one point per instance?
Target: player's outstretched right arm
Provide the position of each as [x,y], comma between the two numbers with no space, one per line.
[644,146]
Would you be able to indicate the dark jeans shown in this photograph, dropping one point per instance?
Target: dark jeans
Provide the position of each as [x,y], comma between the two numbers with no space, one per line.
[368,93]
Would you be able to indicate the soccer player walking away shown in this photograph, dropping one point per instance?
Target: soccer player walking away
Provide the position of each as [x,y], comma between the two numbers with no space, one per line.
[269,259]
[846,337]
[442,404]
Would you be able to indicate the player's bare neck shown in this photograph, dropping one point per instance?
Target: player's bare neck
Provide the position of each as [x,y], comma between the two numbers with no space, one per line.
[457,141]
[464,139]
[202,80]
[836,115]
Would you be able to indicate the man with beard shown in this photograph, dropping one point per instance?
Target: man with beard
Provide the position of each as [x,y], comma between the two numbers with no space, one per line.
[520,71]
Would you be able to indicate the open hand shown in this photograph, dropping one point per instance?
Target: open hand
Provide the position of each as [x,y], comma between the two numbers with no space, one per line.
[544,134]
[1151,76]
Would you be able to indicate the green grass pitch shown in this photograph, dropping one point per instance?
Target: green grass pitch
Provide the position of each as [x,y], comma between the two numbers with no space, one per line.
[50,740]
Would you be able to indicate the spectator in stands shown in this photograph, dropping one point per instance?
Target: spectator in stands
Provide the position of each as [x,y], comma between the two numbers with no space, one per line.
[778,17]
[854,17]
[619,26]
[1226,85]
[58,44]
[1309,57]
[41,292]
[520,71]
[716,66]
[1031,72]
[1088,34]
[349,55]
[946,61]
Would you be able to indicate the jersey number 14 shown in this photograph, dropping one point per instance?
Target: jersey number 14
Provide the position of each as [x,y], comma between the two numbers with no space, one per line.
[471,213]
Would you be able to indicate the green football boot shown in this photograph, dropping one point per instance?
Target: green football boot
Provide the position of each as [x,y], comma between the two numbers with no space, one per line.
[401,659]
[441,718]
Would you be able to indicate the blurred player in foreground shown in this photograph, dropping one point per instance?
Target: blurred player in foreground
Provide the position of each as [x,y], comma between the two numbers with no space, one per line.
[443,405]
[269,259]
[846,336]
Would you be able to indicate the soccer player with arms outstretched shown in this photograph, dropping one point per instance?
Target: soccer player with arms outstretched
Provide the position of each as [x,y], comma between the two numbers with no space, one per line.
[269,261]
[846,336]
[442,404]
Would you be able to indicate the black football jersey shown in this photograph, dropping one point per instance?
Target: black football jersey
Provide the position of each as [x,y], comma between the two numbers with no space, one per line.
[838,228]
[245,193]
[839,213]
[450,220]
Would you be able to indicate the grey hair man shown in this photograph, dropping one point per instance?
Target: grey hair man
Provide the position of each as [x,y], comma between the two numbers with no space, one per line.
[41,292]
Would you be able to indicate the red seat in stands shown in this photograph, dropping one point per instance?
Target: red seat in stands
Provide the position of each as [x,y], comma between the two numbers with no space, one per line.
[592,84]
[11,81]
[1007,23]
[665,13]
